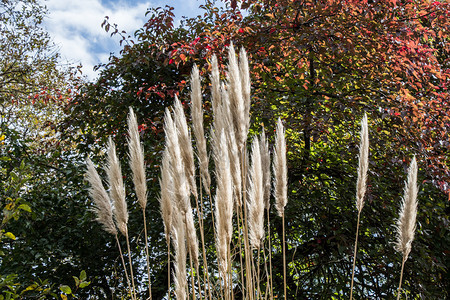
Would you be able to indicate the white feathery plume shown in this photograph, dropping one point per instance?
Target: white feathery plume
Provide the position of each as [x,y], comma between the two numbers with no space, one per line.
[363,164]
[184,138]
[179,244]
[197,124]
[235,167]
[224,122]
[167,193]
[280,169]
[136,160]
[222,114]
[117,188]
[406,224]
[181,186]
[215,85]
[236,98]
[361,185]
[246,86]
[265,162]
[224,201]
[136,155]
[103,208]
[191,234]
[256,198]
[221,120]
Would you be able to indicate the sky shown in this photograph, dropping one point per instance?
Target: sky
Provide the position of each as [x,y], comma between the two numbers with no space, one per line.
[75,26]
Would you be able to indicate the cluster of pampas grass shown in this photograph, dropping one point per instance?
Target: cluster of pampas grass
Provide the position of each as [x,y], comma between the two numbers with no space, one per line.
[242,191]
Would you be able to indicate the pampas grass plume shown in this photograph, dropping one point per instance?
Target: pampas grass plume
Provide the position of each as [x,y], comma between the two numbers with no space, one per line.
[256,198]
[246,87]
[197,124]
[136,155]
[117,188]
[103,208]
[179,244]
[237,105]
[406,224]
[166,185]
[280,169]
[215,84]
[361,183]
[265,163]
[184,138]
[178,175]
[224,201]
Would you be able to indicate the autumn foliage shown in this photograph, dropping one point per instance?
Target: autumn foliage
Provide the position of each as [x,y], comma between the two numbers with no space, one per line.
[319,66]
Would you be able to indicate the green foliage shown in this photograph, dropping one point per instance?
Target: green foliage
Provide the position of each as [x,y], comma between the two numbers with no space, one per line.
[35,166]
[80,283]
[319,65]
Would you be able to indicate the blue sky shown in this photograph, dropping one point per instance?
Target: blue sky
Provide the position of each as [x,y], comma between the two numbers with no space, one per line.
[75,25]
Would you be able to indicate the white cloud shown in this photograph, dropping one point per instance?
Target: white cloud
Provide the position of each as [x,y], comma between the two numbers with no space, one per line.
[75,25]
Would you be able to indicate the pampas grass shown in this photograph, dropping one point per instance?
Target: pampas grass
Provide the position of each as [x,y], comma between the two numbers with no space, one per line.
[265,162]
[98,194]
[179,244]
[256,206]
[224,211]
[117,189]
[256,198]
[237,105]
[280,185]
[363,166]
[280,170]
[165,204]
[178,175]
[197,125]
[361,183]
[242,189]
[104,211]
[185,144]
[117,194]
[136,159]
[199,133]
[406,223]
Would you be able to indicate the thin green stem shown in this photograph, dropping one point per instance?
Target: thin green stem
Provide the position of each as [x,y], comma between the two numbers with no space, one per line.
[124,266]
[270,255]
[241,253]
[147,256]
[168,266]
[354,257]
[401,277]
[131,265]
[284,259]
[202,236]
[258,291]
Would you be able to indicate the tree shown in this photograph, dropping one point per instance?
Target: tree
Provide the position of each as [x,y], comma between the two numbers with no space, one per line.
[36,166]
[318,65]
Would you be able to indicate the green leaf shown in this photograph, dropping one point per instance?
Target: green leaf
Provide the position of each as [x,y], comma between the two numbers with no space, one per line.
[83,275]
[10,235]
[84,284]
[66,289]
[14,177]
[25,207]
[77,281]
